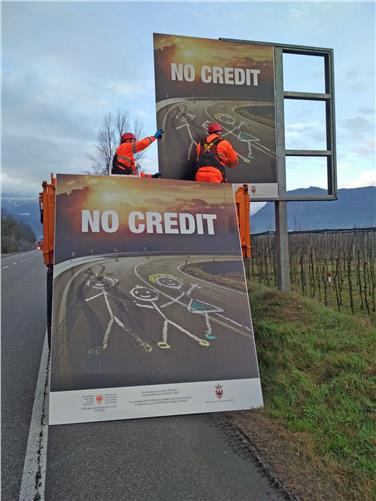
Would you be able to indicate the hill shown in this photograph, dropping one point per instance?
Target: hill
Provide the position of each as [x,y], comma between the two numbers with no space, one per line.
[355,207]
[15,235]
[25,209]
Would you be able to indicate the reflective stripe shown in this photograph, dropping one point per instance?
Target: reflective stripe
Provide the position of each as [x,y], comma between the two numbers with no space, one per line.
[123,157]
[134,150]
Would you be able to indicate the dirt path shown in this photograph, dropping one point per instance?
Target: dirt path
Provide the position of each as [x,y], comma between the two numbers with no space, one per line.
[286,458]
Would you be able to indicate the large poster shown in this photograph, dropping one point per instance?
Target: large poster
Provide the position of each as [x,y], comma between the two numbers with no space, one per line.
[150,306]
[199,81]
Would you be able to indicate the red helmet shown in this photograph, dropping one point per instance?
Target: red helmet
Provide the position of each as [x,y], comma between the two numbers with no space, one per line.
[127,135]
[214,127]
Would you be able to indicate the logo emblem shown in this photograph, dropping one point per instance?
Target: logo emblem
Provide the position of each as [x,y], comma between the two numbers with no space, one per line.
[99,399]
[219,391]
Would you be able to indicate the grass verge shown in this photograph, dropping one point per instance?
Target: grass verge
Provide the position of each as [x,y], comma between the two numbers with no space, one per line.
[318,373]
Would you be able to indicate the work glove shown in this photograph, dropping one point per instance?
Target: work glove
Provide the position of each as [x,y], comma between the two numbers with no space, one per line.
[158,134]
[156,175]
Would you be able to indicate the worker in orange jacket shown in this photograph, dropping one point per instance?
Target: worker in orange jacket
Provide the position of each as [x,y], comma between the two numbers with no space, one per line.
[213,155]
[124,161]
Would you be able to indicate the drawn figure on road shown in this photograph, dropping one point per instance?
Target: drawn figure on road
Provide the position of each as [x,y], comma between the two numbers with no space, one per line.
[149,298]
[103,283]
[185,126]
[243,137]
[193,305]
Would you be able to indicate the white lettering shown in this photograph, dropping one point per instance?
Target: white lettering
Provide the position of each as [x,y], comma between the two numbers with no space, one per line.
[248,76]
[105,219]
[206,74]
[229,76]
[171,223]
[187,223]
[189,72]
[154,221]
[132,223]
[177,72]
[94,221]
[210,218]
[255,74]
[170,219]
[239,76]
[90,219]
[200,227]
[217,75]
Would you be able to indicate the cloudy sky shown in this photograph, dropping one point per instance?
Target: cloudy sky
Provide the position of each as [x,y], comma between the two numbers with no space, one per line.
[66,64]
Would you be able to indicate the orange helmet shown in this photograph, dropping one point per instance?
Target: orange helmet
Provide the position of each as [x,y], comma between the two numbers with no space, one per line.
[214,127]
[126,135]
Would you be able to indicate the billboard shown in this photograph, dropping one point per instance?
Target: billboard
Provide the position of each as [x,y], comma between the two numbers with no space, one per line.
[150,307]
[199,81]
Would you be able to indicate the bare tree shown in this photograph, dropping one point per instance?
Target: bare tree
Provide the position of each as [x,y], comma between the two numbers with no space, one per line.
[108,139]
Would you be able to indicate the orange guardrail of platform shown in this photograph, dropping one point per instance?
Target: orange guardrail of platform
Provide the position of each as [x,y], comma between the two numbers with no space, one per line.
[243,212]
[47,218]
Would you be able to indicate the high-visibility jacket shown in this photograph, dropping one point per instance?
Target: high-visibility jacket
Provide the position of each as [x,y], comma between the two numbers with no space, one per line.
[213,155]
[124,161]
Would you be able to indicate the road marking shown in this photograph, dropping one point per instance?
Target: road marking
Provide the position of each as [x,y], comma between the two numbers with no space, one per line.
[14,264]
[7,266]
[177,301]
[34,471]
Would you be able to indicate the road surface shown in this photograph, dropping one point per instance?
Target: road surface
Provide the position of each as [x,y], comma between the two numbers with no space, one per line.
[174,458]
[136,321]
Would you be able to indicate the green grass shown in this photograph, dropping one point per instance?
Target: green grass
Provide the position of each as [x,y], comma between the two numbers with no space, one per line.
[318,372]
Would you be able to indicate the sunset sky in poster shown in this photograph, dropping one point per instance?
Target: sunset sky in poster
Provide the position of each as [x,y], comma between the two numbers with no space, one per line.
[127,194]
[201,52]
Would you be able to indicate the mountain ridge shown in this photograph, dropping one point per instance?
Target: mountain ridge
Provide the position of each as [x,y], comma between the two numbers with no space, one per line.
[355,207]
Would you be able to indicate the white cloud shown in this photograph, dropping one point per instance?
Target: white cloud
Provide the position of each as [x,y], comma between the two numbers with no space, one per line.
[297,128]
[366,178]
[16,184]
[131,88]
[255,207]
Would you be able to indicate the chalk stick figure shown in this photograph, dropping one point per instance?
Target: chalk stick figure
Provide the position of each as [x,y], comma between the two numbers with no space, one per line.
[148,298]
[194,306]
[103,283]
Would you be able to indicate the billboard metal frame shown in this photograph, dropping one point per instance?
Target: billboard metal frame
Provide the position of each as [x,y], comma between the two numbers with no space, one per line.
[280,95]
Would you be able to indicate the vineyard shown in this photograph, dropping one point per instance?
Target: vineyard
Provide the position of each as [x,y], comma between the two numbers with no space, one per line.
[335,267]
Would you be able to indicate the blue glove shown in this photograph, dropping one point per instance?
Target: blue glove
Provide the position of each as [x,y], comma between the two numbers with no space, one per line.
[158,134]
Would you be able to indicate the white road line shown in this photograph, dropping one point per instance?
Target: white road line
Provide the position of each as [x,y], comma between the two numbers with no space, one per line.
[34,471]
[7,266]
[14,263]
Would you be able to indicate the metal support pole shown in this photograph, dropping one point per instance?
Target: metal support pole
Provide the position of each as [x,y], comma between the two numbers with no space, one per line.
[282,246]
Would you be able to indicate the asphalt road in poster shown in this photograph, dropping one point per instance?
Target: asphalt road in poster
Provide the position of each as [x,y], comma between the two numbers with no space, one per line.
[254,141]
[174,458]
[209,341]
